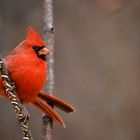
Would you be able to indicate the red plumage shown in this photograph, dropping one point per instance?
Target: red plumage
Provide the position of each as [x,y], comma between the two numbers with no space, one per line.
[28,69]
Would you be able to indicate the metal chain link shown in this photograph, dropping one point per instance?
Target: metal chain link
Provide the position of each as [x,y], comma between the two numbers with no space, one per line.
[17,106]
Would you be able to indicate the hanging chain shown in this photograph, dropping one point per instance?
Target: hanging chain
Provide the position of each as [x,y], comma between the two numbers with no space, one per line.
[19,109]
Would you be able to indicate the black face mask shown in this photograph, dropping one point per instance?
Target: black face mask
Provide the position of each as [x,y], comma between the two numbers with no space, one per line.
[37,49]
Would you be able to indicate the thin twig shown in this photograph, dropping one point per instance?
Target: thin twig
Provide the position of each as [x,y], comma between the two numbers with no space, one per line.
[17,106]
[49,87]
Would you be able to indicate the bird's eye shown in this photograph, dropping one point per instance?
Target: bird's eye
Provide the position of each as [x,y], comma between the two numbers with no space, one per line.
[35,48]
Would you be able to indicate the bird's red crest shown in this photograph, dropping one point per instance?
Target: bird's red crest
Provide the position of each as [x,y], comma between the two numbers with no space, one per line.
[34,38]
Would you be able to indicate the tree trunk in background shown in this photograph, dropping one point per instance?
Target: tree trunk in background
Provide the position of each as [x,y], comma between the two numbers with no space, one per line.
[49,38]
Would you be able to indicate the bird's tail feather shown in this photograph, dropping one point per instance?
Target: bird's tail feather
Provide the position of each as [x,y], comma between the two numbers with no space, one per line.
[56,102]
[48,110]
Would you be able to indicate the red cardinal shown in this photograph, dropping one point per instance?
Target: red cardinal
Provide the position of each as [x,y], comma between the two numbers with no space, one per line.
[28,69]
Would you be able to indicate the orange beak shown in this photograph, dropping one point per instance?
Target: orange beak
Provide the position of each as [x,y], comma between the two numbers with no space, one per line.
[43,51]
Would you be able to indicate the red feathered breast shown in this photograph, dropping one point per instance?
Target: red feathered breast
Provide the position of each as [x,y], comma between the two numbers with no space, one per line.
[28,73]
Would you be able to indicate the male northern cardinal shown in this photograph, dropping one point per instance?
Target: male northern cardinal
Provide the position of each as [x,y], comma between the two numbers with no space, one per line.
[28,69]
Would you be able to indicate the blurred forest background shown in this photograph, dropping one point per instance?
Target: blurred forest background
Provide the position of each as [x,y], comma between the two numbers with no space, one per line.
[97,66]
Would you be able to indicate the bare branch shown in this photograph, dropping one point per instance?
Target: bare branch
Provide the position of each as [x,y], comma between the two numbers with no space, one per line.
[49,87]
